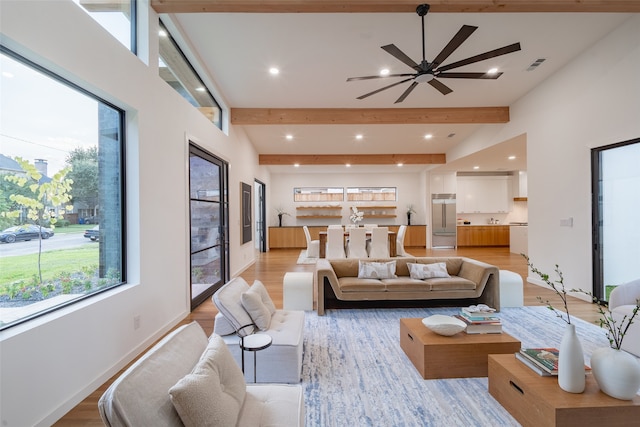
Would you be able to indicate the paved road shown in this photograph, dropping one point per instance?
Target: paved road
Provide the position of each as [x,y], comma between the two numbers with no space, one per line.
[58,241]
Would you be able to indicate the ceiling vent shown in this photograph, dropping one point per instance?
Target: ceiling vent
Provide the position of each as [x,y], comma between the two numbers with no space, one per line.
[535,64]
[451,135]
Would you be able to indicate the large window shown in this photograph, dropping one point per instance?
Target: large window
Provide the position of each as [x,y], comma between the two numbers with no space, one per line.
[61,192]
[116,16]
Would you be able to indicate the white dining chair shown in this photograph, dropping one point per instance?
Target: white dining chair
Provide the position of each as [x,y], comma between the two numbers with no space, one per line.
[335,243]
[370,227]
[313,246]
[379,243]
[400,241]
[335,226]
[357,244]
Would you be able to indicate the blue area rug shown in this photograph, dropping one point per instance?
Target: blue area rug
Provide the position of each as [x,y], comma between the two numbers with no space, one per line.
[355,373]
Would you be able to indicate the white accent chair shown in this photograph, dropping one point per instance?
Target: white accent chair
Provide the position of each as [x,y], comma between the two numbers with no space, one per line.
[622,301]
[379,243]
[313,246]
[369,227]
[357,245]
[335,244]
[335,226]
[402,231]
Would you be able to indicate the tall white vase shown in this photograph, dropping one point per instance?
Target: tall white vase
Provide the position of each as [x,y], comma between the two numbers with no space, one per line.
[571,362]
[616,372]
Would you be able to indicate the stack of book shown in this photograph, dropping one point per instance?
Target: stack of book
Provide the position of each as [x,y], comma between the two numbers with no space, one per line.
[543,361]
[480,322]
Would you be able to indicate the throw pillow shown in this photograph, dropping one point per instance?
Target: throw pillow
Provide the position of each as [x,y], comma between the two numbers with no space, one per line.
[377,270]
[428,271]
[228,300]
[259,287]
[213,393]
[258,311]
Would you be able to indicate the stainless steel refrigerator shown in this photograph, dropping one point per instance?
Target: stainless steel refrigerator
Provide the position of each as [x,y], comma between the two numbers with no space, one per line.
[443,219]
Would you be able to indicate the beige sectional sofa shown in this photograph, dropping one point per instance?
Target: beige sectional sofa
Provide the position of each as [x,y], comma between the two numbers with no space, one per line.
[469,280]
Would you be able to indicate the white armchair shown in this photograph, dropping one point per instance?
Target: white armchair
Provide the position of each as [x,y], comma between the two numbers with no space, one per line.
[622,301]
[313,246]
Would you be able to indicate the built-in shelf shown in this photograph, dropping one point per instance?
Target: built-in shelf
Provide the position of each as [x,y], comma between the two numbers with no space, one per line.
[519,199]
[323,211]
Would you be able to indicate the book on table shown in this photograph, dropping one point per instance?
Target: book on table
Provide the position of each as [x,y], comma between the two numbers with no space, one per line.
[477,315]
[534,367]
[544,359]
[479,319]
[493,327]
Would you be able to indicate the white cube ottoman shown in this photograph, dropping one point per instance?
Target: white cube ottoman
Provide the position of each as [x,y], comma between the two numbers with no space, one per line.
[297,290]
[511,289]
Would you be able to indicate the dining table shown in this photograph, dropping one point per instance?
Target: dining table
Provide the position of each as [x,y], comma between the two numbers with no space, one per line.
[323,242]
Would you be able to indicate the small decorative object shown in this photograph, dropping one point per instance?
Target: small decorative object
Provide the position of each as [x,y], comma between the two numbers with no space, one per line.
[356,216]
[409,212]
[444,325]
[616,371]
[571,357]
[281,213]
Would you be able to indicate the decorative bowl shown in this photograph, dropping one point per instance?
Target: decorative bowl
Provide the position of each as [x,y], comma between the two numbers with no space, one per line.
[444,325]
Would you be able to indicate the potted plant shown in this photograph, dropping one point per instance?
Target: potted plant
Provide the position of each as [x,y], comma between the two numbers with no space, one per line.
[281,213]
[409,212]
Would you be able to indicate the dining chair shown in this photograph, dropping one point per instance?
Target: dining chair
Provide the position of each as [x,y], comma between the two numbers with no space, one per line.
[335,243]
[379,243]
[400,241]
[370,226]
[335,226]
[357,244]
[313,246]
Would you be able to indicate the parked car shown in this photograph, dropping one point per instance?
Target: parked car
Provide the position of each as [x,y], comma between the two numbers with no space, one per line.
[24,232]
[93,233]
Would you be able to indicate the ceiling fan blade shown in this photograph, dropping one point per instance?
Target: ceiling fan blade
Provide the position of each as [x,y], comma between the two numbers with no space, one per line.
[462,35]
[481,57]
[442,88]
[401,56]
[406,92]
[384,88]
[469,75]
[351,79]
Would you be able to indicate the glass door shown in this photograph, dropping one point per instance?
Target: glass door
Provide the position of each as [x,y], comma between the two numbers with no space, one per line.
[616,202]
[260,216]
[209,225]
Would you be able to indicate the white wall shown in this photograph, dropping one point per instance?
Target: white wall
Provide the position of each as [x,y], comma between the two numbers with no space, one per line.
[593,101]
[50,364]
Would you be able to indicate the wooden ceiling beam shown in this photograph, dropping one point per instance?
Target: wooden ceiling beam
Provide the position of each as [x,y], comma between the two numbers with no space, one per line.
[352,159]
[393,6]
[368,116]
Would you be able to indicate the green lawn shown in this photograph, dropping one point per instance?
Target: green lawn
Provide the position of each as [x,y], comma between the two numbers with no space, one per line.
[53,263]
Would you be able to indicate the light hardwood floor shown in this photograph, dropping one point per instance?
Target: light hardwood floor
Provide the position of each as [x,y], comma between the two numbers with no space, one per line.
[270,268]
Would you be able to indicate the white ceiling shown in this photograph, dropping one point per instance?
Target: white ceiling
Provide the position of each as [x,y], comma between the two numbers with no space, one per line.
[316,53]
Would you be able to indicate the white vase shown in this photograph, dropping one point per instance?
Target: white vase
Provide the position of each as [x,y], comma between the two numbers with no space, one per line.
[571,362]
[616,372]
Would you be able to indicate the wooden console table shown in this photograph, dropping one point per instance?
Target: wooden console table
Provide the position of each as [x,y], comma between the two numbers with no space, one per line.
[538,401]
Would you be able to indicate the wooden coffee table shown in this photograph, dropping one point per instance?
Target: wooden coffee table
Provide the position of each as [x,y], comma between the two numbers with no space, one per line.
[538,401]
[459,356]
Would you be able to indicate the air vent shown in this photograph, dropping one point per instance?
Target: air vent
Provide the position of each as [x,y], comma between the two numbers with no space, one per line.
[451,135]
[535,64]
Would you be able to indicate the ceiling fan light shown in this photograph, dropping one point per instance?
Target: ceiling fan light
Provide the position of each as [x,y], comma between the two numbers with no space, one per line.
[423,78]
[492,71]
[384,72]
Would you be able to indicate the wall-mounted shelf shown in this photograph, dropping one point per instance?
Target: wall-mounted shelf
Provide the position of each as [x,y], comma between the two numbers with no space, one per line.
[325,211]
[378,211]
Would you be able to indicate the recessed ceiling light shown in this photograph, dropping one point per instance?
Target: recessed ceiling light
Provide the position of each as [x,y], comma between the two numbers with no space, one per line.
[200,89]
[400,165]
[476,167]
[348,165]
[492,71]
[511,157]
[359,136]
[274,71]
[384,72]
[162,33]
[289,136]
[428,136]
[296,165]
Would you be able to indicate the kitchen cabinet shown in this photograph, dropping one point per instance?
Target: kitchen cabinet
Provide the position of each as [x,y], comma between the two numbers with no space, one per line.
[443,183]
[483,235]
[483,194]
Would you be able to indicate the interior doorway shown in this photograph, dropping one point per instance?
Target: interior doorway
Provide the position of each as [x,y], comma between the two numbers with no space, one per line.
[616,202]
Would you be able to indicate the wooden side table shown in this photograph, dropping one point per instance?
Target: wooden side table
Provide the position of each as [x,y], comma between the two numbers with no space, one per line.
[538,401]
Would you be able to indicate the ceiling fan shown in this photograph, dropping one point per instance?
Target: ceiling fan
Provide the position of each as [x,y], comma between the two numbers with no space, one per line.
[428,72]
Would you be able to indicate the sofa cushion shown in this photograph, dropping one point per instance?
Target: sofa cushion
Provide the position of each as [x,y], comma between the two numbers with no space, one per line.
[406,284]
[213,393]
[228,300]
[274,405]
[260,314]
[376,270]
[222,325]
[452,283]
[428,271]
[259,287]
[353,284]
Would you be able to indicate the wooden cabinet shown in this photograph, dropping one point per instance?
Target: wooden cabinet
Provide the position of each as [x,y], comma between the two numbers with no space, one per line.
[483,235]
[485,194]
[416,235]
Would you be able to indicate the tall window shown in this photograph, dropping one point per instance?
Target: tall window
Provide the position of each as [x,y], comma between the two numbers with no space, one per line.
[61,192]
[176,70]
[116,16]
[616,202]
